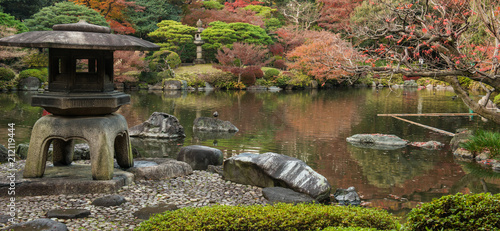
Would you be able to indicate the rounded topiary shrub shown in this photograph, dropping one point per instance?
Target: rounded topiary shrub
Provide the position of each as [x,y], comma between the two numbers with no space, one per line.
[270,217]
[457,212]
[6,74]
[42,76]
[280,64]
[271,73]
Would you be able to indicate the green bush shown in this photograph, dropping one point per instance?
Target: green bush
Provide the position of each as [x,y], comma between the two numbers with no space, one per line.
[269,217]
[163,60]
[192,79]
[496,100]
[434,82]
[484,140]
[457,212]
[299,79]
[6,74]
[271,73]
[42,76]
[348,229]
[213,5]
[150,77]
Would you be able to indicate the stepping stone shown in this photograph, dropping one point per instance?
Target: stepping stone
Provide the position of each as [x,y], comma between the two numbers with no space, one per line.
[39,224]
[110,200]
[285,195]
[68,213]
[146,212]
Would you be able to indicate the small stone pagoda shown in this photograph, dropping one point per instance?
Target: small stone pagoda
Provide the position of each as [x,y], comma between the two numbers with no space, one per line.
[80,96]
[198,42]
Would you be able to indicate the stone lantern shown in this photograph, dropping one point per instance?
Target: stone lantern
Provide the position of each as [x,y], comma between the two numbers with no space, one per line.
[80,96]
[198,42]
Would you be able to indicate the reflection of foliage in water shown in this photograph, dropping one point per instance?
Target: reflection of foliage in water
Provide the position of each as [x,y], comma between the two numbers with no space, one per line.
[16,108]
[389,168]
[478,179]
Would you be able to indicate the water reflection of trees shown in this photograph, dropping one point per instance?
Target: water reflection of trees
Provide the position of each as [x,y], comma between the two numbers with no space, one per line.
[16,108]
[392,168]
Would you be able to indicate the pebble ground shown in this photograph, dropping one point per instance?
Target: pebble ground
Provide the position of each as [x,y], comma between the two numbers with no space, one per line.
[196,190]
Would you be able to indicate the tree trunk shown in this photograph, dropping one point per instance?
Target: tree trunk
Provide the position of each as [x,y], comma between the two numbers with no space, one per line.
[479,109]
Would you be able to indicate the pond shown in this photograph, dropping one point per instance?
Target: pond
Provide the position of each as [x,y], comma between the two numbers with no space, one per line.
[312,125]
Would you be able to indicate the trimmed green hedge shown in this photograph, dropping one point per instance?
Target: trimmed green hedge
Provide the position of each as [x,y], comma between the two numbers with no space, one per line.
[41,75]
[6,74]
[270,217]
[457,212]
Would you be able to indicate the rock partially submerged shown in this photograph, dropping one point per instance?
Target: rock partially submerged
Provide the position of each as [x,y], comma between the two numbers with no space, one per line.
[159,125]
[272,169]
[213,125]
[200,157]
[429,145]
[347,196]
[377,141]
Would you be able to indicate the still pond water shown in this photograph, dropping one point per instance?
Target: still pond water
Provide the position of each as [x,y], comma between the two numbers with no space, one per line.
[313,126]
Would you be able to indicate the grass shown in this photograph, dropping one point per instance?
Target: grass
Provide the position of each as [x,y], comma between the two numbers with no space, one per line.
[482,141]
[198,68]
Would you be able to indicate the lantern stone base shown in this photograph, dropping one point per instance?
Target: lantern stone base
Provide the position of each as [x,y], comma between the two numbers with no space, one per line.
[199,61]
[106,135]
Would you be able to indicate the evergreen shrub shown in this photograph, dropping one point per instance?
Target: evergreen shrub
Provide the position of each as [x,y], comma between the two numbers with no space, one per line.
[270,217]
[6,74]
[271,73]
[457,212]
[42,76]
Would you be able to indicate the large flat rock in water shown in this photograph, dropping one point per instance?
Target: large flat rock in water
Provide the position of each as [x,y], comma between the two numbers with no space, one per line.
[159,125]
[272,169]
[377,141]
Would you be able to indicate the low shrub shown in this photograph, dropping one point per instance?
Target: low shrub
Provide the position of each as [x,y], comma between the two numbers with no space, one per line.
[271,73]
[484,141]
[250,75]
[163,60]
[270,217]
[457,212]
[149,77]
[348,229]
[42,76]
[192,79]
[299,79]
[496,100]
[431,81]
[212,5]
[280,64]
[6,74]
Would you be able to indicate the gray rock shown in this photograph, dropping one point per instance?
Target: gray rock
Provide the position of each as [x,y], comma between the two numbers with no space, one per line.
[213,124]
[461,136]
[166,170]
[81,152]
[272,169]
[199,157]
[208,87]
[496,167]
[463,153]
[68,213]
[4,219]
[216,169]
[142,164]
[274,89]
[256,88]
[38,224]
[489,105]
[172,85]
[109,200]
[146,212]
[429,145]
[285,195]
[347,196]
[482,156]
[29,84]
[22,150]
[159,125]
[4,154]
[377,141]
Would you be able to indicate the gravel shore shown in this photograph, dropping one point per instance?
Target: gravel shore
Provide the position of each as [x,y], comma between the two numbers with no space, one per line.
[196,190]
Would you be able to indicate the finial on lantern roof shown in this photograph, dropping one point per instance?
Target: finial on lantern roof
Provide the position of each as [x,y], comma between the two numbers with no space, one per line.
[199,23]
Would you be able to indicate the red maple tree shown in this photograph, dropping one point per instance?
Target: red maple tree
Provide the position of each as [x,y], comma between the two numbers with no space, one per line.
[241,57]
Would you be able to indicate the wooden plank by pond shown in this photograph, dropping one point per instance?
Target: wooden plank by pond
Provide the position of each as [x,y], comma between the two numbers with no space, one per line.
[431,114]
[425,126]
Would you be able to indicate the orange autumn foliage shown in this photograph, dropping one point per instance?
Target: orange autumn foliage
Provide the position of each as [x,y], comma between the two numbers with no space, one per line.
[113,11]
[322,56]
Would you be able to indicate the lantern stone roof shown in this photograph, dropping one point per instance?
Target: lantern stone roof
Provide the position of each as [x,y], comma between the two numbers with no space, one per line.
[81,35]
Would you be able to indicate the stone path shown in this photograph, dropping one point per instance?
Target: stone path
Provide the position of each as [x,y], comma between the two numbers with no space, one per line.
[196,190]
